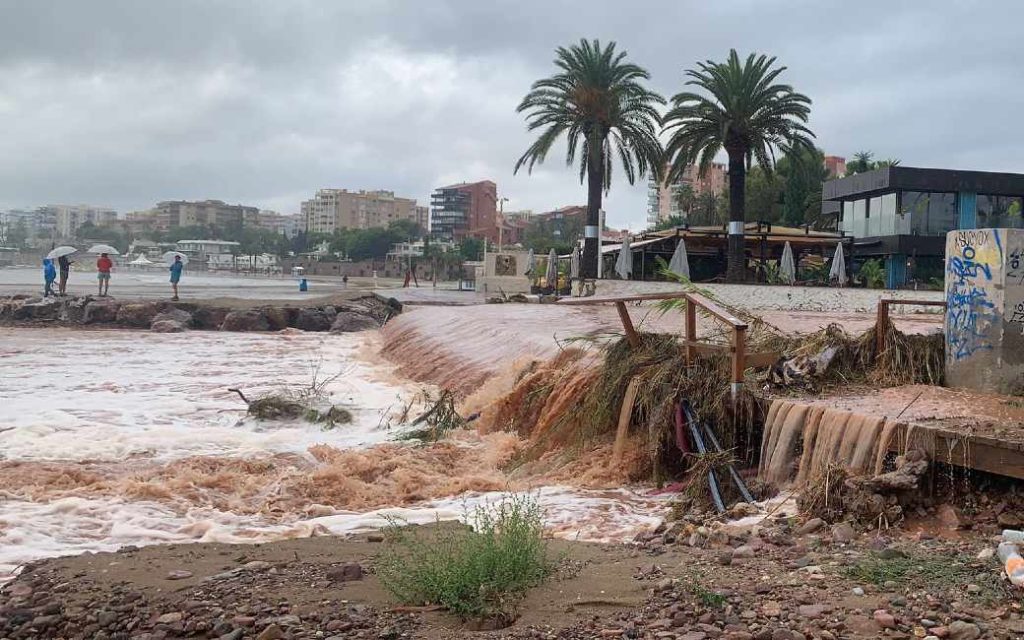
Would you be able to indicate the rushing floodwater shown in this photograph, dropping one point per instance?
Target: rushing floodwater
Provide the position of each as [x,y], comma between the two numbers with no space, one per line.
[109,438]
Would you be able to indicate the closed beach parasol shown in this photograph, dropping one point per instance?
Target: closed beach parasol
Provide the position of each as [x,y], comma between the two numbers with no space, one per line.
[787,268]
[170,255]
[574,264]
[624,265]
[141,261]
[104,248]
[838,271]
[58,252]
[531,263]
[680,263]
[551,277]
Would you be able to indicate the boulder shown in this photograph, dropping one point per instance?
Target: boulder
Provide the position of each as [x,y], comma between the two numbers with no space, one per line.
[208,317]
[38,309]
[167,326]
[173,315]
[348,321]
[277,317]
[100,312]
[137,314]
[246,320]
[313,319]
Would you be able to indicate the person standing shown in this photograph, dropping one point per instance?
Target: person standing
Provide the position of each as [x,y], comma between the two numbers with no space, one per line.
[49,275]
[176,268]
[65,273]
[103,267]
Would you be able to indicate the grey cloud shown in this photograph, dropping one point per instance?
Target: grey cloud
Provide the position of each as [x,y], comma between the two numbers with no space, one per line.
[125,103]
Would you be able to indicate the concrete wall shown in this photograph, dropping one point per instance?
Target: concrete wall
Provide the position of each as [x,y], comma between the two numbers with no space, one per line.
[783,298]
[512,278]
[985,310]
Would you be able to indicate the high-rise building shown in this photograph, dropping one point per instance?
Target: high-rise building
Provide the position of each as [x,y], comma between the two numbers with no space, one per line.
[333,209]
[184,213]
[284,224]
[663,199]
[68,218]
[465,210]
[836,166]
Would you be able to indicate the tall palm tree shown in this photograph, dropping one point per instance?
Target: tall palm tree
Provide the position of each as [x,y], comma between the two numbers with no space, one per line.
[748,115]
[599,102]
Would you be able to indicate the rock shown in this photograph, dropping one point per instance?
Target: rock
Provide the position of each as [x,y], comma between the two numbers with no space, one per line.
[986,553]
[857,591]
[273,632]
[960,630]
[237,634]
[724,558]
[813,611]
[843,532]
[744,551]
[100,312]
[257,565]
[1008,520]
[348,321]
[950,516]
[166,326]
[246,320]
[38,309]
[45,622]
[106,618]
[277,318]
[345,573]
[312,319]
[939,632]
[884,619]
[811,526]
[973,588]
[179,574]
[139,314]
[170,618]
[173,315]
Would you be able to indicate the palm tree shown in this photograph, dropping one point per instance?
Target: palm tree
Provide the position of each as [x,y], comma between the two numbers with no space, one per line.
[598,101]
[746,114]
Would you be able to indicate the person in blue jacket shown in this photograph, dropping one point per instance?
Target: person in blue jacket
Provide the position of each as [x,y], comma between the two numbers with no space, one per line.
[176,268]
[49,275]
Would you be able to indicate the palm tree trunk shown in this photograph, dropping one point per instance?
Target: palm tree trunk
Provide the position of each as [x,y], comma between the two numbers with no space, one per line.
[592,231]
[736,269]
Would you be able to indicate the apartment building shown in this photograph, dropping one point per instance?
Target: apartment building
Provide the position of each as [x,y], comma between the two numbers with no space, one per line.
[285,224]
[465,210]
[663,199]
[68,218]
[333,209]
[185,213]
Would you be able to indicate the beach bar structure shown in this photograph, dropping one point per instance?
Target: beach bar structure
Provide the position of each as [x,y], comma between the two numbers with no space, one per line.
[902,214]
[707,247]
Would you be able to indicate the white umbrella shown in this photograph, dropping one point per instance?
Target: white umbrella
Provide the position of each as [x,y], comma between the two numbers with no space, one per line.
[170,255]
[574,264]
[61,251]
[624,265]
[838,271]
[680,263]
[104,248]
[787,268]
[531,263]
[552,274]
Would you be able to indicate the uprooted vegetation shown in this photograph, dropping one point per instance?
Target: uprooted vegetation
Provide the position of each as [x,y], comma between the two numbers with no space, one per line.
[476,571]
[310,403]
[438,420]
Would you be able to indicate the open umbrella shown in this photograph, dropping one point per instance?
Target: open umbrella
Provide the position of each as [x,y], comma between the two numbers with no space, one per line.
[787,268]
[838,271]
[574,264]
[531,263]
[551,277]
[170,255]
[61,251]
[104,248]
[680,263]
[624,265]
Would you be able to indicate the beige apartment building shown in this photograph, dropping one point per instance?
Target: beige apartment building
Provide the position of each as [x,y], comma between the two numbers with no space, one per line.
[68,218]
[333,209]
[663,198]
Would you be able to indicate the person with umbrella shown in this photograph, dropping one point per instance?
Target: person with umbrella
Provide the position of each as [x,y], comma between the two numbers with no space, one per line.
[65,272]
[103,266]
[49,275]
[176,268]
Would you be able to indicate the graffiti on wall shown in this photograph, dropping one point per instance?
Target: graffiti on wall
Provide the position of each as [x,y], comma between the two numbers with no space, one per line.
[970,311]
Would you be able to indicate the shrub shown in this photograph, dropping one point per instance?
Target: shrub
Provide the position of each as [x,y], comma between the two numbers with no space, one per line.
[475,571]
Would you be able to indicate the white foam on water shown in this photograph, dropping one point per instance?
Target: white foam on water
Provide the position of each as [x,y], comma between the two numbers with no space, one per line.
[31,530]
[106,395]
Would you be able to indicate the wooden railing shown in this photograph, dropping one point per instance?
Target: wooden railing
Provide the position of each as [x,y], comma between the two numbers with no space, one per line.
[883,316]
[737,346]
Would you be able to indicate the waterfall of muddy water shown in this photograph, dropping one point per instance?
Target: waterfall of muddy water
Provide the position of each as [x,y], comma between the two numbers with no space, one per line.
[800,440]
[110,438]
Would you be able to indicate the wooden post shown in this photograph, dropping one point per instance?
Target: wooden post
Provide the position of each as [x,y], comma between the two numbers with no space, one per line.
[627,324]
[691,329]
[739,358]
[880,326]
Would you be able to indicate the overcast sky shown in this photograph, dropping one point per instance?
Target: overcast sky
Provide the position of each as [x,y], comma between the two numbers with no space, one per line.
[125,103]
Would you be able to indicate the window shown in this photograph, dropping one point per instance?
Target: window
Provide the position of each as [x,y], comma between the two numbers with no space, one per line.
[931,214]
[999,212]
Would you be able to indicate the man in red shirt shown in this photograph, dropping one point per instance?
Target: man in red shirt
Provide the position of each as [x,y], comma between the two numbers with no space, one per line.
[103,267]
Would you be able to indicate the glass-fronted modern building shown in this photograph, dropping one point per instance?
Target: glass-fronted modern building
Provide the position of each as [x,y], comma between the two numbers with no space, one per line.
[902,214]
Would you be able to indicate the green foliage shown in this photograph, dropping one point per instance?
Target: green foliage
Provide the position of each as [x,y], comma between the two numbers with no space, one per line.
[935,572]
[763,198]
[471,249]
[670,223]
[560,234]
[863,162]
[873,274]
[802,173]
[477,571]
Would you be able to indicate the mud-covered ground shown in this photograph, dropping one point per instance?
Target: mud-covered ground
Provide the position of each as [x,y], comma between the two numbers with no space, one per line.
[778,580]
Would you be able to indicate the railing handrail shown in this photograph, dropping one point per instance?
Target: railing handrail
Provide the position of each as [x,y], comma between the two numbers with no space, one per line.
[701,301]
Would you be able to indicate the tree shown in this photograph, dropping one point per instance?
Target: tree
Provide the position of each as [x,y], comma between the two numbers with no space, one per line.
[709,210]
[408,230]
[763,199]
[685,199]
[598,101]
[670,222]
[471,249]
[862,163]
[802,173]
[748,115]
